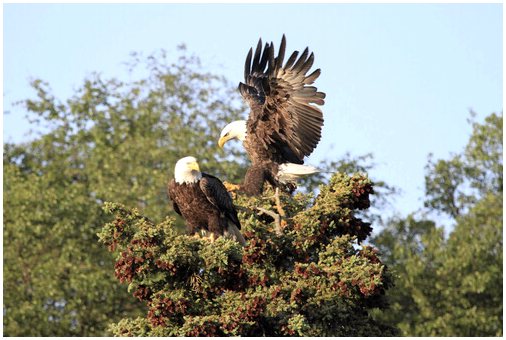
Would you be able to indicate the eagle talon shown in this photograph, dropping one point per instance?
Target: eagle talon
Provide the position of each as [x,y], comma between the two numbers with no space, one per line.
[231,187]
[206,235]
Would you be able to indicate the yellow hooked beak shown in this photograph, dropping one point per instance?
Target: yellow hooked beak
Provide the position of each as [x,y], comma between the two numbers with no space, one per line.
[223,140]
[194,166]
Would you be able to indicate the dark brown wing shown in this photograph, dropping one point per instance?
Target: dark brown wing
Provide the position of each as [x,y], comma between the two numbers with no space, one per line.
[170,193]
[282,119]
[218,195]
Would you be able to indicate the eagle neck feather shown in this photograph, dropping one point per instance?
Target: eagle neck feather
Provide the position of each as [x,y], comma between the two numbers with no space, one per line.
[188,177]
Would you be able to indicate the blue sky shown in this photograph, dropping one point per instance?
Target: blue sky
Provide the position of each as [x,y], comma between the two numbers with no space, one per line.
[400,79]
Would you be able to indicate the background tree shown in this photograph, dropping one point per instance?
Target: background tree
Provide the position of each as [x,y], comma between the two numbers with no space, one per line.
[453,186]
[301,272]
[452,286]
[112,140]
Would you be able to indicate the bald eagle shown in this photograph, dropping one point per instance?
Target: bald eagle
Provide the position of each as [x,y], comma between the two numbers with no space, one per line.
[283,124]
[203,201]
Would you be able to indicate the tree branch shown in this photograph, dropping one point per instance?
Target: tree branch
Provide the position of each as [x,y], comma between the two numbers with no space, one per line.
[276,217]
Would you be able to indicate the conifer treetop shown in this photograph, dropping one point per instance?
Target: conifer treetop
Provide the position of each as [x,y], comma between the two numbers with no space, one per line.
[300,273]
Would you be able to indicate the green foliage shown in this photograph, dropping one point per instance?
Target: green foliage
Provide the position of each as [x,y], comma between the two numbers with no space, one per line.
[112,140]
[348,164]
[56,280]
[452,286]
[301,272]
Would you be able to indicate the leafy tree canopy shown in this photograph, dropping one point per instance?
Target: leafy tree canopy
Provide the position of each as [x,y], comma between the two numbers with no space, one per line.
[452,286]
[453,186]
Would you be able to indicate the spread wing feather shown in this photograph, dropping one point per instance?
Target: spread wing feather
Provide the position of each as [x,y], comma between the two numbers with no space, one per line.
[283,119]
[218,195]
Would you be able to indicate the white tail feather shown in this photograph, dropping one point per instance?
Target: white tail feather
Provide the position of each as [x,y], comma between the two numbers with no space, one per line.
[289,172]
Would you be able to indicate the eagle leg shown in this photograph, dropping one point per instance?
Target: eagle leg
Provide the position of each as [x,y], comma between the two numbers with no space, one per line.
[201,234]
[281,212]
[211,237]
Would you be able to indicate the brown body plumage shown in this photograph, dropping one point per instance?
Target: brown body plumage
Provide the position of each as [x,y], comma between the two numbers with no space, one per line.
[205,204]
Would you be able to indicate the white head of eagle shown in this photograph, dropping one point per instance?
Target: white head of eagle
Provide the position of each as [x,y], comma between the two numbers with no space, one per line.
[187,170]
[233,130]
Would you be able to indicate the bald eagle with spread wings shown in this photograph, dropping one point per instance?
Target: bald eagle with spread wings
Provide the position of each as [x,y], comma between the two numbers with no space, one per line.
[283,125]
[203,201]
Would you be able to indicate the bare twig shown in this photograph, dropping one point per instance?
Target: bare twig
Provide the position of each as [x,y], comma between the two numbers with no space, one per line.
[276,217]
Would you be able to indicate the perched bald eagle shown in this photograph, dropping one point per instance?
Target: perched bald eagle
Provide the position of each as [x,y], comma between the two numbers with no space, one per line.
[203,201]
[283,124]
